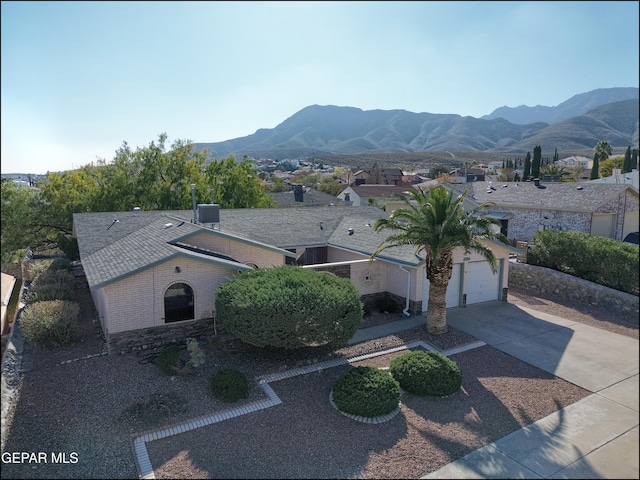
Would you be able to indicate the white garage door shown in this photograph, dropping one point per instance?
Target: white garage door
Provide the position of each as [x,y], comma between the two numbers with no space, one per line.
[482,284]
[453,290]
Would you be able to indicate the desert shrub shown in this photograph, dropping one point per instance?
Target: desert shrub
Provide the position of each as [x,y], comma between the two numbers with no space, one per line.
[426,373]
[597,259]
[50,291]
[367,392]
[195,352]
[168,358]
[50,324]
[289,307]
[229,385]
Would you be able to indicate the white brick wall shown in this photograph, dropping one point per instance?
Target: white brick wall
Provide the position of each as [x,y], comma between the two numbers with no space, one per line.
[138,301]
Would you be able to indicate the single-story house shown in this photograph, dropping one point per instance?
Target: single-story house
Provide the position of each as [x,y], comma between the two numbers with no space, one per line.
[605,209]
[381,195]
[153,275]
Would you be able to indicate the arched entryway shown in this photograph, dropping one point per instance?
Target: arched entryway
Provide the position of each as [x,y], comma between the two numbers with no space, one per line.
[178,303]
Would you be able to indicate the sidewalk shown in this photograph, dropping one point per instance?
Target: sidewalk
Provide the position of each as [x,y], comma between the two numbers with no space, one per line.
[596,437]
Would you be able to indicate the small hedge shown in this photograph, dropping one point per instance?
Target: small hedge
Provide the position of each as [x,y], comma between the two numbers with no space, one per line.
[50,324]
[168,358]
[229,385]
[367,392]
[426,373]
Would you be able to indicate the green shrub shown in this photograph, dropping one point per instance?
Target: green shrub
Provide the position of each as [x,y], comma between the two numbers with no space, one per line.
[289,307]
[597,259]
[50,324]
[367,392]
[168,358]
[426,373]
[229,385]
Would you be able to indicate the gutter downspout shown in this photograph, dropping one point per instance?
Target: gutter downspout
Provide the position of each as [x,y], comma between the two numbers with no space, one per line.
[406,308]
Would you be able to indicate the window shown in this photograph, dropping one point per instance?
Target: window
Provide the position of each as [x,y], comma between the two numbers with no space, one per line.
[178,303]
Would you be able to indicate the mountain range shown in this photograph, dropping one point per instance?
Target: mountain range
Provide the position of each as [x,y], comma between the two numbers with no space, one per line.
[574,126]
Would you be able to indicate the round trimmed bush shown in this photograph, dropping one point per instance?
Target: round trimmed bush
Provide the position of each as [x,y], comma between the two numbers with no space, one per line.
[229,385]
[426,373]
[367,392]
[289,307]
[168,358]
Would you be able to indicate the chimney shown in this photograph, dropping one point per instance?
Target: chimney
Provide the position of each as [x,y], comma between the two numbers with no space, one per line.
[298,193]
[536,182]
[193,201]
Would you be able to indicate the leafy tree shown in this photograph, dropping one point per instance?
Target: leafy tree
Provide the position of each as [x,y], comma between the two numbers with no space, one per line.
[626,166]
[527,167]
[535,165]
[164,177]
[607,166]
[438,170]
[435,223]
[289,307]
[236,184]
[18,215]
[330,186]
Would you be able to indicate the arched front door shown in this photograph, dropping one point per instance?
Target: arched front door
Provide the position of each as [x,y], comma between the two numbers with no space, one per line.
[178,303]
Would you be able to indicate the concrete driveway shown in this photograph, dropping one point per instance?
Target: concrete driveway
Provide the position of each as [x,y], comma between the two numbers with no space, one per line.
[596,437]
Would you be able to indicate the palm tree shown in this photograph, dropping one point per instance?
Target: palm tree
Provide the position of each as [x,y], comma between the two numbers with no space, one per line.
[435,222]
[602,151]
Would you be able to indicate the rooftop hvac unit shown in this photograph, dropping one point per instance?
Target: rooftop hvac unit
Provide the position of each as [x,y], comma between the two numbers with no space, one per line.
[209,213]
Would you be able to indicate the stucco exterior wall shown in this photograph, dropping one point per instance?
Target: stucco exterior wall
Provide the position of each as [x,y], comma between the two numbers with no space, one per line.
[138,301]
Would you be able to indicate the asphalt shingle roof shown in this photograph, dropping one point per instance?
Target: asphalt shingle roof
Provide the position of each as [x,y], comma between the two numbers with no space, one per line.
[579,197]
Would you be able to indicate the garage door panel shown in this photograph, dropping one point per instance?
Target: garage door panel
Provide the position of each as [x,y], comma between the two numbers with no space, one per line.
[482,283]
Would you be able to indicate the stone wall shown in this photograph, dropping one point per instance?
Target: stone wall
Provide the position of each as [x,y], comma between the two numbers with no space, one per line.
[546,280]
[160,336]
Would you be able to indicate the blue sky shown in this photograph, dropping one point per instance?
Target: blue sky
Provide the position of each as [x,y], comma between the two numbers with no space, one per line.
[81,78]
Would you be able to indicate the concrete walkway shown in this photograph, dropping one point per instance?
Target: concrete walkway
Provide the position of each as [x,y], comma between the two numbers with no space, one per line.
[596,437]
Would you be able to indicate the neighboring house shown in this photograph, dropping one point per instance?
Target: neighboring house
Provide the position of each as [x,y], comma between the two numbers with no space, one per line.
[468,174]
[393,176]
[153,275]
[301,196]
[629,178]
[381,195]
[356,176]
[609,210]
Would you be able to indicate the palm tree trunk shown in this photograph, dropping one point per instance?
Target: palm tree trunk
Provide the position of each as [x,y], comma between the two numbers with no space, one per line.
[437,309]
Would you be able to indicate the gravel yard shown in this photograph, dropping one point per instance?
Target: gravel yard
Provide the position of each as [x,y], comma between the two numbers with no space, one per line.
[92,408]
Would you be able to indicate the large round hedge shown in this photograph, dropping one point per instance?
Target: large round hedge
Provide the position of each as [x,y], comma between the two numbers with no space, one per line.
[426,373]
[289,307]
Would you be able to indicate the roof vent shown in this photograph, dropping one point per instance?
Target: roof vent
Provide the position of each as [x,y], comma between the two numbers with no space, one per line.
[579,188]
[136,209]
